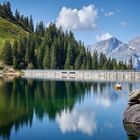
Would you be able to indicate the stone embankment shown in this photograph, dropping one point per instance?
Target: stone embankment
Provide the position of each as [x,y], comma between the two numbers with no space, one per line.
[92,75]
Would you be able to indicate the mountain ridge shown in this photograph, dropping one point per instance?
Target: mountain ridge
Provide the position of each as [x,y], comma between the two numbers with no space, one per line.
[119,50]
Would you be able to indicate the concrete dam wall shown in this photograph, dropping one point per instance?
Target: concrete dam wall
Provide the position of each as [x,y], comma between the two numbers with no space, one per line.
[85,75]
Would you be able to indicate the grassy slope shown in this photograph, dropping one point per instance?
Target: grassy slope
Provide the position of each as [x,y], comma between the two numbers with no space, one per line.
[9,31]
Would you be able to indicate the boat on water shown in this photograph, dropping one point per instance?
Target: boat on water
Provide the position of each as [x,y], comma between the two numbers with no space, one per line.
[118,87]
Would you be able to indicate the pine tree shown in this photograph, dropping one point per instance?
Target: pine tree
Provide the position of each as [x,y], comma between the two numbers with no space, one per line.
[78,63]
[15,47]
[130,65]
[46,60]
[114,63]
[40,29]
[54,55]
[40,54]
[26,22]
[27,54]
[88,60]
[69,57]
[95,60]
[7,54]
[21,52]
[17,15]
[110,66]
[60,51]
[83,66]
[31,26]
[102,60]
[7,6]
[30,52]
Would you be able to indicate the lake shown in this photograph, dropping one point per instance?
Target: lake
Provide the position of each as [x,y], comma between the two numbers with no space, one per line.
[63,110]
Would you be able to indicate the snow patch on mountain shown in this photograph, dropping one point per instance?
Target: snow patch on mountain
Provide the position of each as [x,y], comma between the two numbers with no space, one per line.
[131,47]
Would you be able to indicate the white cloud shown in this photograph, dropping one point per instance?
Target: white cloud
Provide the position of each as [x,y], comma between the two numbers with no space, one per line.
[82,119]
[103,37]
[124,23]
[108,14]
[74,19]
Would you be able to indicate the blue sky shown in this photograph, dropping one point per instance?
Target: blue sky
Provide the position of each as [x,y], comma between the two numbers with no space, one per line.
[90,20]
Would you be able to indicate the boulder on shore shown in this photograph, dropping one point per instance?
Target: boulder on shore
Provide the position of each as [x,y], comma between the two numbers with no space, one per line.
[131,118]
[132,112]
[133,131]
[134,96]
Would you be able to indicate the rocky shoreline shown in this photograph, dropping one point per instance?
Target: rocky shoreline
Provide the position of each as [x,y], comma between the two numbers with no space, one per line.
[131,117]
[132,112]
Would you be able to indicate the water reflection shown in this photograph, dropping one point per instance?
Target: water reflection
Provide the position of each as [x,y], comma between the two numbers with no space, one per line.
[79,119]
[62,102]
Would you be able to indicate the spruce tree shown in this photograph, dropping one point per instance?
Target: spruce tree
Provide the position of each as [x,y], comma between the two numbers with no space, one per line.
[40,29]
[17,15]
[88,60]
[83,66]
[40,54]
[46,59]
[130,65]
[95,60]
[15,47]
[102,60]
[69,57]
[54,55]
[8,8]
[7,54]
[31,26]
[21,53]
[78,63]
[30,52]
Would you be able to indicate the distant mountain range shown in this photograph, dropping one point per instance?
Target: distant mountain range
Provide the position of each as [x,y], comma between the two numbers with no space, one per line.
[119,50]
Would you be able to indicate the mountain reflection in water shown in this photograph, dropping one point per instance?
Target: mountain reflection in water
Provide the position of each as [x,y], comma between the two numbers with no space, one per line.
[73,106]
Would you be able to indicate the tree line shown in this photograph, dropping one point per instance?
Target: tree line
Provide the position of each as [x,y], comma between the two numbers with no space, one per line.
[52,48]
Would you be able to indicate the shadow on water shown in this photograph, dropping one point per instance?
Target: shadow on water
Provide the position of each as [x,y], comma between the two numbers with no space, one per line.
[132,130]
[21,99]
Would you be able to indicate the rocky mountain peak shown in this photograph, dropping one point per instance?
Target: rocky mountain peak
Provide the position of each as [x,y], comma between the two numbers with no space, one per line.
[119,50]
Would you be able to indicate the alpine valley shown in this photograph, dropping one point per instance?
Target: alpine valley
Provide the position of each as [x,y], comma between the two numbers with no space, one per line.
[119,50]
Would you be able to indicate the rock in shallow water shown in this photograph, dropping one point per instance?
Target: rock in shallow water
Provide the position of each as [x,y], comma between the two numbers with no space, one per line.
[132,114]
[133,131]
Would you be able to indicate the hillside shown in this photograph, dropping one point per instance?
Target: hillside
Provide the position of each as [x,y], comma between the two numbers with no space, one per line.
[11,27]
[10,31]
[119,50]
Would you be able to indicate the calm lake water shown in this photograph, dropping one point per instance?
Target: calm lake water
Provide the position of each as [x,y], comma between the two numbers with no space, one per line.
[62,110]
